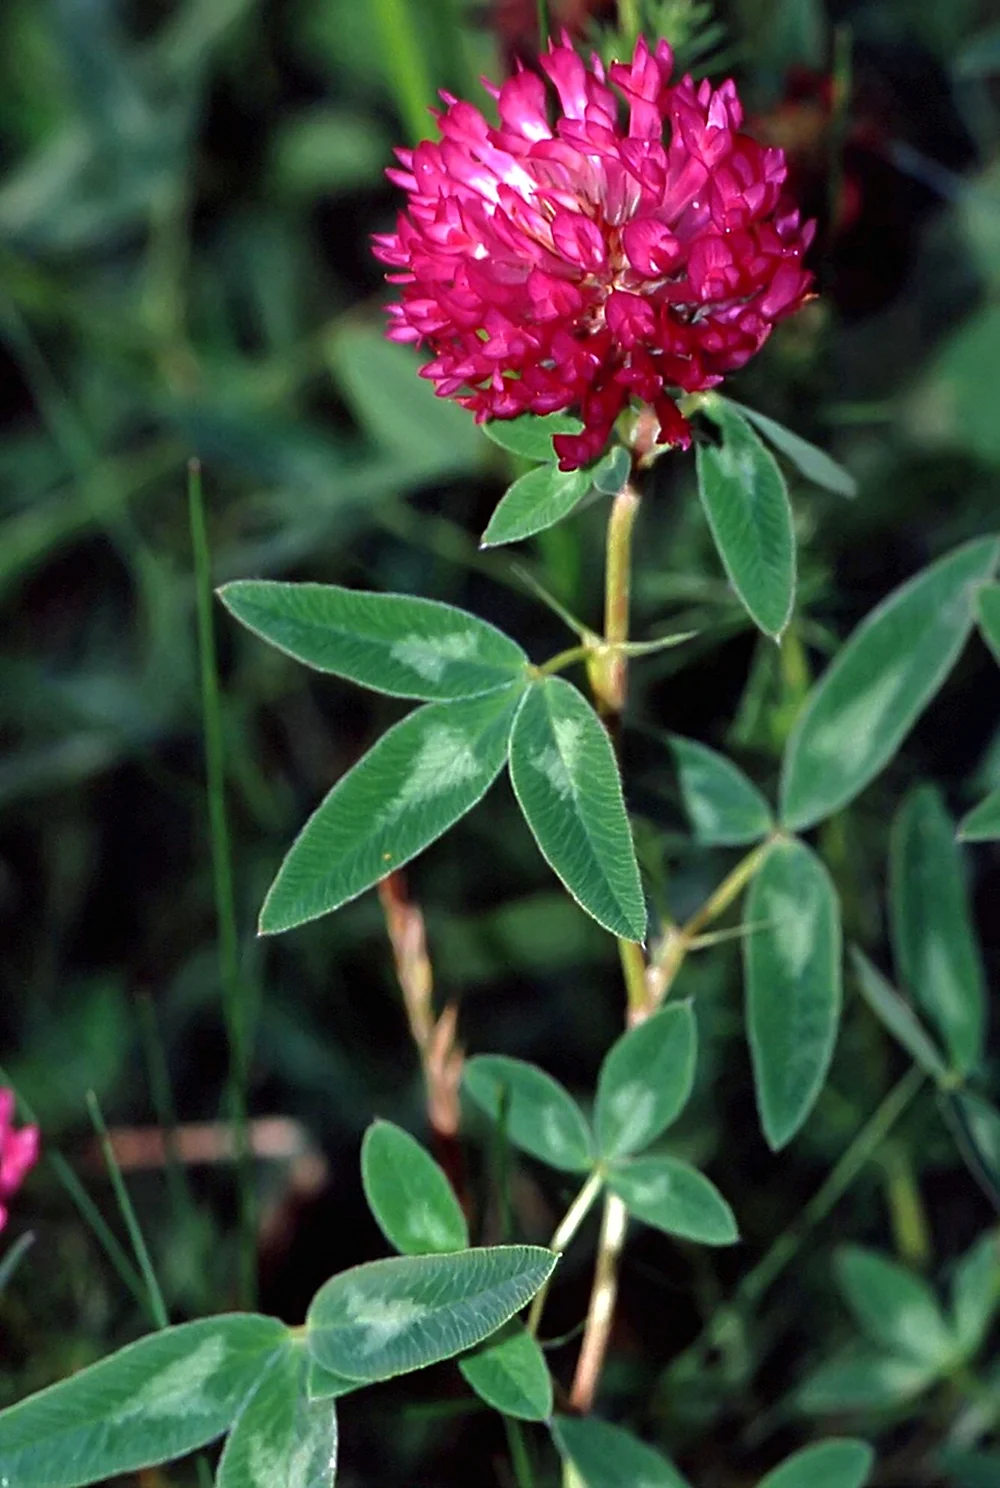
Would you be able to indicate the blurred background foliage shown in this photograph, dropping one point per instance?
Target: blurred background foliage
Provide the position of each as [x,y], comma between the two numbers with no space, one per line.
[188,189]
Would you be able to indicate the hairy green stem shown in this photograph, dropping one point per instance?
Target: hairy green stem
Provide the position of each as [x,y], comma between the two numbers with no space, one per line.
[567,1228]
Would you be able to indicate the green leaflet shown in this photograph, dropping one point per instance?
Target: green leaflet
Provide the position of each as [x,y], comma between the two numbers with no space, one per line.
[815,464]
[880,682]
[153,1401]
[412,648]
[674,1197]
[645,1081]
[900,1019]
[895,1308]
[605,1456]
[829,1464]
[566,780]
[509,1372]
[535,501]
[746,503]
[792,961]
[416,782]
[982,823]
[539,1115]
[410,1197]
[531,435]
[390,1317]
[282,1436]
[725,808]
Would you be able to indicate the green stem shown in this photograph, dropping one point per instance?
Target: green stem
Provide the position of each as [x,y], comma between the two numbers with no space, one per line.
[524,1473]
[405,65]
[634,971]
[222,873]
[567,1228]
[563,659]
[544,24]
[609,680]
[729,890]
[154,1296]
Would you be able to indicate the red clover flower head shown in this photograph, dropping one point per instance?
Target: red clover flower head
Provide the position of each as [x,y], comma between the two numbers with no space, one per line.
[564,259]
[18,1151]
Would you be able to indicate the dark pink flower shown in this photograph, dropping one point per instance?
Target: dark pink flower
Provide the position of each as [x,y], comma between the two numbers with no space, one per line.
[567,259]
[18,1151]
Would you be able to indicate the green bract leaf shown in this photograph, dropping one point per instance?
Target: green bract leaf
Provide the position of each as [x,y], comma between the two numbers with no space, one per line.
[744,496]
[418,780]
[881,681]
[151,1402]
[829,1464]
[408,1193]
[937,955]
[607,1457]
[531,434]
[792,956]
[413,648]
[390,1317]
[895,1308]
[726,810]
[975,1293]
[611,471]
[988,613]
[982,823]
[813,463]
[900,1019]
[674,1197]
[566,780]
[859,1379]
[540,1116]
[281,1436]
[536,501]
[509,1372]
[645,1081]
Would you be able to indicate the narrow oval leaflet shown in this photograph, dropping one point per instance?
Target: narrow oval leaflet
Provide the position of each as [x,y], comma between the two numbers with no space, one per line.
[390,1317]
[535,501]
[895,1308]
[861,1379]
[413,1203]
[539,1115]
[606,1456]
[282,1438]
[792,964]
[674,1197]
[509,1373]
[843,1463]
[898,1017]
[982,823]
[815,464]
[937,954]
[745,499]
[566,780]
[154,1400]
[988,613]
[878,685]
[421,777]
[645,1081]
[724,807]
[392,643]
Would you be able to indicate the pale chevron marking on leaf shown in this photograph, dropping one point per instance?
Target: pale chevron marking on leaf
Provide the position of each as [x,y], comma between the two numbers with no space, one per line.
[177,1389]
[850,732]
[445,761]
[558,762]
[632,1106]
[382,1321]
[429,659]
[793,925]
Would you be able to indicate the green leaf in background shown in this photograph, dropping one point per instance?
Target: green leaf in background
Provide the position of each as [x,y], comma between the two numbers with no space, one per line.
[975,1293]
[971,1469]
[894,1307]
[153,1401]
[811,462]
[975,1125]
[645,1081]
[988,614]
[410,1197]
[531,435]
[539,1115]
[323,1384]
[859,1379]
[281,1436]
[724,807]
[412,648]
[611,471]
[829,1464]
[417,781]
[792,960]
[746,503]
[880,682]
[982,823]
[673,1196]
[605,1456]
[535,501]
[898,1017]
[509,1372]
[937,955]
[390,1317]
[566,780]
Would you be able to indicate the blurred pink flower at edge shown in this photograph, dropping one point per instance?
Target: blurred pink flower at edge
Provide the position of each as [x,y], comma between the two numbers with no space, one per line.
[18,1151]
[570,259]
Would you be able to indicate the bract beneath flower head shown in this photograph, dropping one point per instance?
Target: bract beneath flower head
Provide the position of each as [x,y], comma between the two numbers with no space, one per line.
[615,236]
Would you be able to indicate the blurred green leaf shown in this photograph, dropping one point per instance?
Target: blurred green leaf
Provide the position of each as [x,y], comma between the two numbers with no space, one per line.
[323,150]
[539,1115]
[645,1081]
[975,1293]
[828,1464]
[390,1317]
[509,1372]
[674,1197]
[792,965]
[281,1435]
[534,502]
[898,1017]
[724,807]
[982,823]
[936,951]
[605,1456]
[971,1469]
[861,1380]
[880,682]
[410,1197]
[894,1307]
[566,780]
[988,615]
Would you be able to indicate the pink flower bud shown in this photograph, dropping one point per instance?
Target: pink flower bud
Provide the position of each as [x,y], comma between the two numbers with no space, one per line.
[18,1151]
